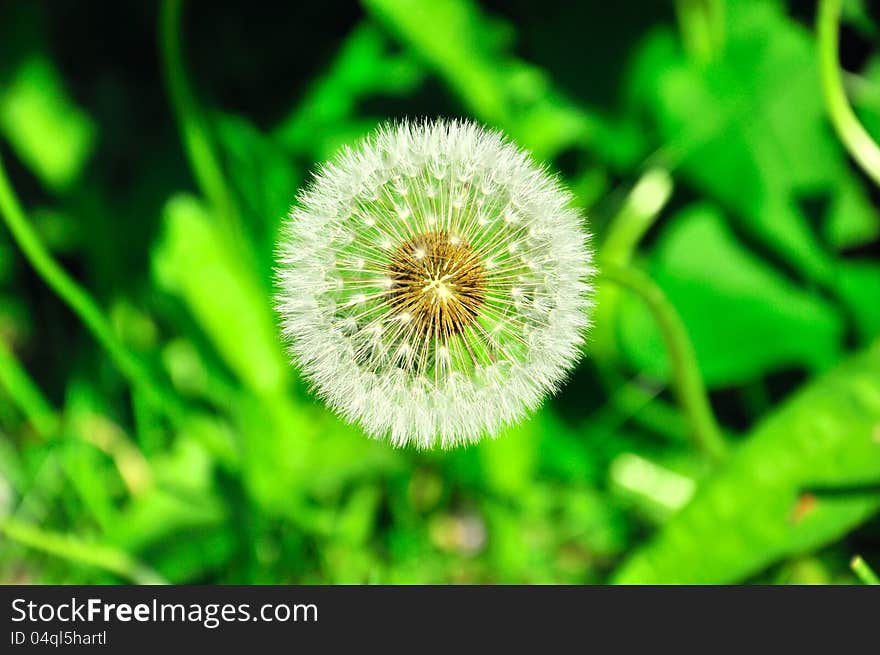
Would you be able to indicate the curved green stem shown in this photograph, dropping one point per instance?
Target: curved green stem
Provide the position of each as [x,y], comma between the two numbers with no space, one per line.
[637,214]
[687,380]
[641,208]
[82,304]
[851,132]
[193,125]
[98,555]
[639,211]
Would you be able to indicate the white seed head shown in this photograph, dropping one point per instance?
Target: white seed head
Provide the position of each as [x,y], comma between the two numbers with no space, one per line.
[462,283]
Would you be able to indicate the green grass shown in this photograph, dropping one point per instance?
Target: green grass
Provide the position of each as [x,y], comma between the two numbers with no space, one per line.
[722,427]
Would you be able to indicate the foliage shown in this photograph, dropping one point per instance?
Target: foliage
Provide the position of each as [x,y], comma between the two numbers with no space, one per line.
[151,428]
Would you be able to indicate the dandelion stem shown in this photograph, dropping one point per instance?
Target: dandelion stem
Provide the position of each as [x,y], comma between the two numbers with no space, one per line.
[25,393]
[863,571]
[76,550]
[851,132]
[82,304]
[637,214]
[193,124]
[639,211]
[687,380]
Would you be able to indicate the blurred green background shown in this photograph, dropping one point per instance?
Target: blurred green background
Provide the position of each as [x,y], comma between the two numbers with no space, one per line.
[152,430]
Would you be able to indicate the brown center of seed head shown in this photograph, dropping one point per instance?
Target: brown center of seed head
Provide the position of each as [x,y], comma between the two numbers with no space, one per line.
[438,283]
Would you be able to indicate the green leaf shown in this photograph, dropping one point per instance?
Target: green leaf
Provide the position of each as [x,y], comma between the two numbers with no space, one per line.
[444,34]
[194,262]
[743,317]
[327,116]
[356,521]
[750,131]
[182,501]
[510,461]
[802,479]
[858,284]
[856,12]
[46,129]
[264,180]
[470,51]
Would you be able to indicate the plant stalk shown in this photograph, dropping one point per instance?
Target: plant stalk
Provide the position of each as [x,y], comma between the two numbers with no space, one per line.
[686,376]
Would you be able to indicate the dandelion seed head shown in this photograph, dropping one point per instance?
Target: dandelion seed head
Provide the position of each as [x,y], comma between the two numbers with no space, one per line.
[460,283]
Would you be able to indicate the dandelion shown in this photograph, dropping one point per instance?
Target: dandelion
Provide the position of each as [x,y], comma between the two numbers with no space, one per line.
[434,283]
